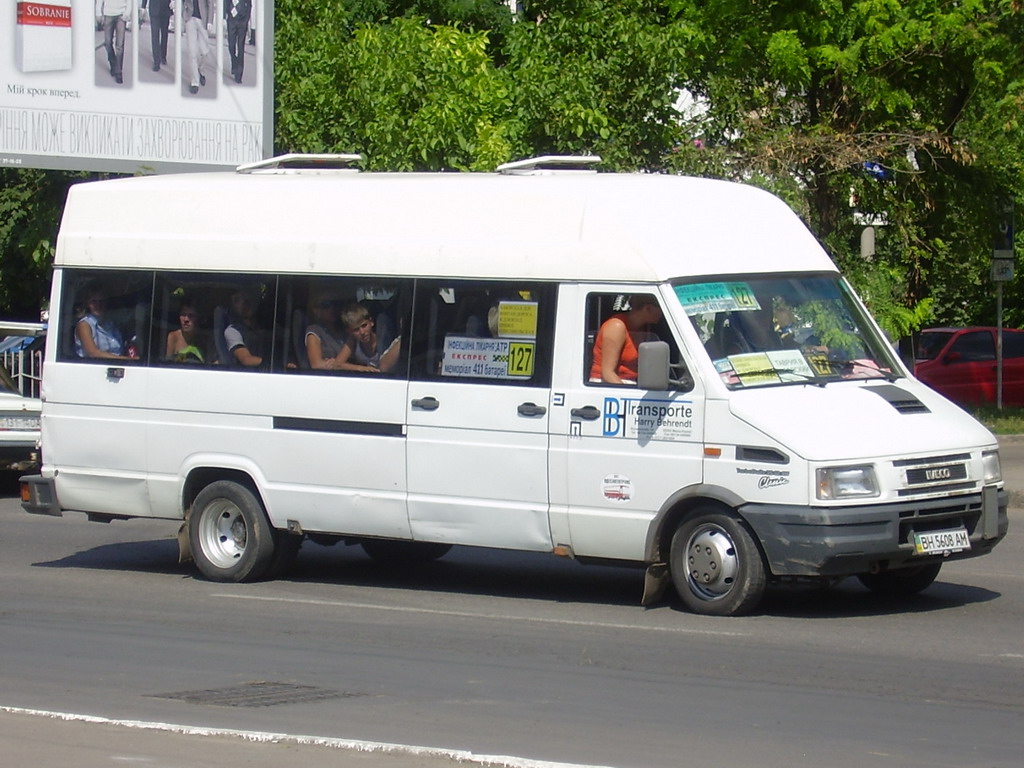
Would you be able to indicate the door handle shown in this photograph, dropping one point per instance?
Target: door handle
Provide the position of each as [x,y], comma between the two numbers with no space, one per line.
[587,412]
[426,403]
[115,373]
[531,409]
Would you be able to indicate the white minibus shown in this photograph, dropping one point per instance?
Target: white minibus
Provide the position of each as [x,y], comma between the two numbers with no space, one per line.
[639,369]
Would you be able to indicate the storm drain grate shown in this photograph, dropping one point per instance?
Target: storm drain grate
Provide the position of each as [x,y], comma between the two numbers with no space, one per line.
[257,694]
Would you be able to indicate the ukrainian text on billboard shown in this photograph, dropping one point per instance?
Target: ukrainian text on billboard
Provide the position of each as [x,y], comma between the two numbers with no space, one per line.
[111,85]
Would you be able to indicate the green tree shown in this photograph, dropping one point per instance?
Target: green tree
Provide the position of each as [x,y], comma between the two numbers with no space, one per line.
[801,95]
[793,95]
[602,77]
[408,95]
[31,202]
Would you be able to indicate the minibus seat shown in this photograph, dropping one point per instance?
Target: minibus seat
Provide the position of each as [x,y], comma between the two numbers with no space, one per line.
[299,339]
[141,332]
[385,326]
[220,323]
[588,354]
[725,340]
[67,341]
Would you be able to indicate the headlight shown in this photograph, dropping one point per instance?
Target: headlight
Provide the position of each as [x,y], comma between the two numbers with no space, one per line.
[990,467]
[846,482]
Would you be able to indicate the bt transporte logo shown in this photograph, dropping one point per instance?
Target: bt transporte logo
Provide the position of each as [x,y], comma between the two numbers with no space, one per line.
[647,418]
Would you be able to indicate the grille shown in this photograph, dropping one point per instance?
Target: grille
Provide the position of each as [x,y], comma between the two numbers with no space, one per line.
[940,514]
[946,473]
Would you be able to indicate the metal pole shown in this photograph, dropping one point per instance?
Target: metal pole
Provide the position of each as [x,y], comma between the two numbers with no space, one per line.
[999,346]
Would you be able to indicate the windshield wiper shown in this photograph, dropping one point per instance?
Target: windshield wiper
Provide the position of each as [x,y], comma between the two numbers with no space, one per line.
[843,365]
[804,378]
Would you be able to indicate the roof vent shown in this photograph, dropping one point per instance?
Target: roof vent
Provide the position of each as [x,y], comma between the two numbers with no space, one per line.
[547,164]
[293,162]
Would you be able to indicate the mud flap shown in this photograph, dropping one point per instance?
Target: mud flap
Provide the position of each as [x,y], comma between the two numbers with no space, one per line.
[656,580]
[184,548]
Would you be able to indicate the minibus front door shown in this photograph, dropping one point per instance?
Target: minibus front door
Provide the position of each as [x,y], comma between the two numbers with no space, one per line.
[618,452]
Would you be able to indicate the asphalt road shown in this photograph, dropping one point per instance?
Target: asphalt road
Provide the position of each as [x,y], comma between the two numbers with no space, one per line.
[114,653]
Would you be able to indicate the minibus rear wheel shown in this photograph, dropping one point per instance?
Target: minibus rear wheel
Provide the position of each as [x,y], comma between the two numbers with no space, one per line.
[716,565]
[229,533]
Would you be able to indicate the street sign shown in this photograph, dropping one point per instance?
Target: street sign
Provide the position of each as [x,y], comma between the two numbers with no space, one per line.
[1002,270]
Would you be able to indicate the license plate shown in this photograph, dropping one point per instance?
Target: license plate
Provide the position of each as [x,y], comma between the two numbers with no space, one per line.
[937,542]
[22,423]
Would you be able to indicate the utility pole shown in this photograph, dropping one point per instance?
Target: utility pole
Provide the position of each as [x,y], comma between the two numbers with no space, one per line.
[1002,271]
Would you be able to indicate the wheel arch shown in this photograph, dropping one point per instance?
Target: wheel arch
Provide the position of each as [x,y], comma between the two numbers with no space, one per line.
[677,507]
[200,476]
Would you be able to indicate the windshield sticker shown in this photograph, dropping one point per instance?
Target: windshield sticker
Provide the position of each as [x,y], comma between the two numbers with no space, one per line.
[468,356]
[647,418]
[755,368]
[791,365]
[517,319]
[820,362]
[617,488]
[767,367]
[701,298]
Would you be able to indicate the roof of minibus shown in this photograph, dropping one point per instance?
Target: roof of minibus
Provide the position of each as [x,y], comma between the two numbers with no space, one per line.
[573,225]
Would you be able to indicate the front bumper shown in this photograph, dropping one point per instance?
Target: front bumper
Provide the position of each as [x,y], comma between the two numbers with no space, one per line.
[842,541]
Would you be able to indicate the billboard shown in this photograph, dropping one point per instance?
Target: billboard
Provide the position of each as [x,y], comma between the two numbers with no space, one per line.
[135,86]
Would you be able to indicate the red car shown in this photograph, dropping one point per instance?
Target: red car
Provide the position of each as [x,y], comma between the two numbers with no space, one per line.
[960,363]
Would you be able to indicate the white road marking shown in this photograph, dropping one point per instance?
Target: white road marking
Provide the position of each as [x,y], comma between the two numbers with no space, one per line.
[459,755]
[476,615]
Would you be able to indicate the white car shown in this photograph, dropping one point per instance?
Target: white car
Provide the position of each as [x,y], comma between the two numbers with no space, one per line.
[19,415]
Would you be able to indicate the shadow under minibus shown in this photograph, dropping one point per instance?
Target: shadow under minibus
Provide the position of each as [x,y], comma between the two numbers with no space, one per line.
[528,575]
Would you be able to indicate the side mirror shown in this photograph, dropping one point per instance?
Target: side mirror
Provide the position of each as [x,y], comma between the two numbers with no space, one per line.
[652,367]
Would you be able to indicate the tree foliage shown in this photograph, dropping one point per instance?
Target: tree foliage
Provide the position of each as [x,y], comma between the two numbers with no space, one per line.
[805,97]
[31,202]
[906,114]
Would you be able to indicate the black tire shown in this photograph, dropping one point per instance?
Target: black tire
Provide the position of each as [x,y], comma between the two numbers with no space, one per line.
[229,533]
[716,565]
[901,582]
[389,552]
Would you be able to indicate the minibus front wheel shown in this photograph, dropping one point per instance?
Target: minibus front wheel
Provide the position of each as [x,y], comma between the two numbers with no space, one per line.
[230,536]
[716,565]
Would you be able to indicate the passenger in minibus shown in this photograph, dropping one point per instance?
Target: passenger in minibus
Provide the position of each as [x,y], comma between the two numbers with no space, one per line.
[325,338]
[245,340]
[95,334]
[366,349]
[616,351]
[190,343]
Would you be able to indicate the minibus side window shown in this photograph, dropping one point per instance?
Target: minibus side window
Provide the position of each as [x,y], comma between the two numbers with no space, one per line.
[105,315]
[486,331]
[346,325]
[198,317]
[640,317]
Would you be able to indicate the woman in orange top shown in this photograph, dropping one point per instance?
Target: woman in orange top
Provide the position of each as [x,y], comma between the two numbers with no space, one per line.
[616,354]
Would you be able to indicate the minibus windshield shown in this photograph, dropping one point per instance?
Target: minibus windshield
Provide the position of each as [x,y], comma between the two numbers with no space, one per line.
[768,330]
